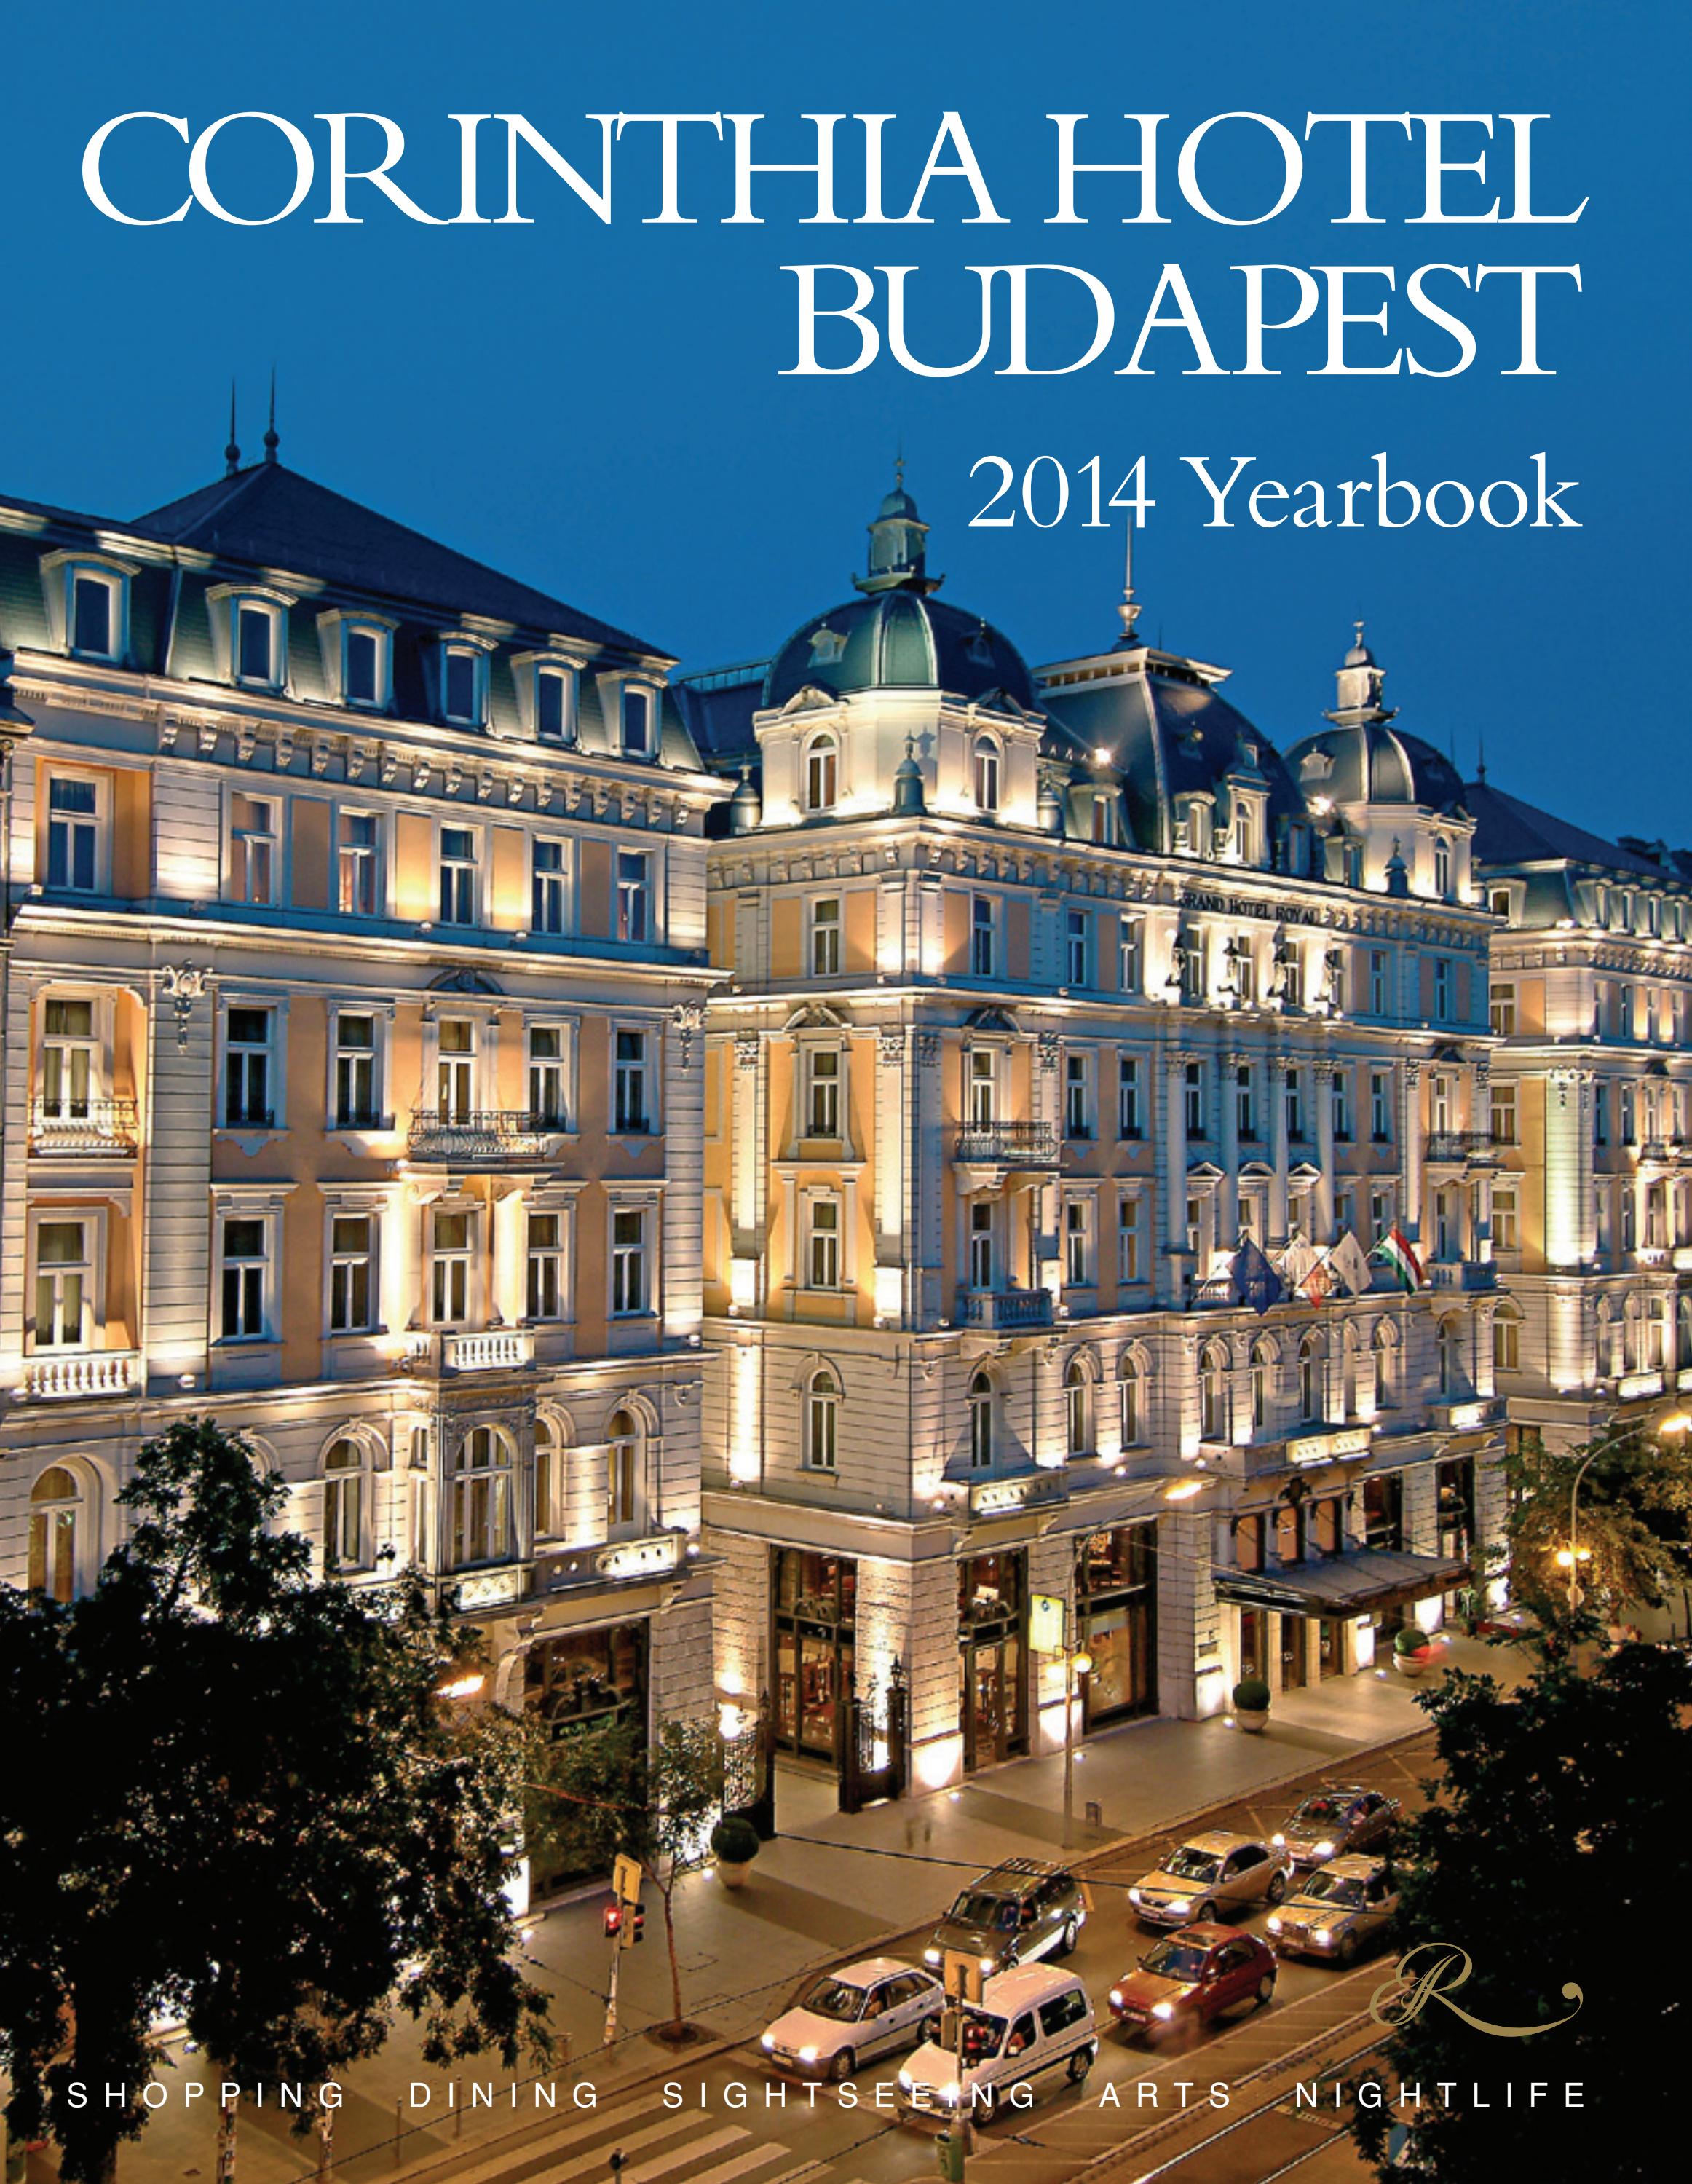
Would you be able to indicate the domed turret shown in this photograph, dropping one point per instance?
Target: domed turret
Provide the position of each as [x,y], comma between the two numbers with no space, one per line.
[1362,760]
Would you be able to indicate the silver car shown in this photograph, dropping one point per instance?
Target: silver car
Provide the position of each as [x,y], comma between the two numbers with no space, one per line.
[1208,1876]
[1336,1911]
[839,2020]
[1337,1820]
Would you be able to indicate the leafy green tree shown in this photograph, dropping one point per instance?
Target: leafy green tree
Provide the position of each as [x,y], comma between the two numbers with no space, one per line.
[605,1793]
[1633,1521]
[300,1835]
[1553,1849]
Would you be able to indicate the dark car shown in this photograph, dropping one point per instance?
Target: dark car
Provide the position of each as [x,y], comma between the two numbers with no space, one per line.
[1337,1820]
[1022,1910]
[1191,1977]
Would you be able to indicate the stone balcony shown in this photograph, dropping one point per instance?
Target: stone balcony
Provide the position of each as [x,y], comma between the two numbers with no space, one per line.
[1007,1144]
[1005,1311]
[488,1350]
[82,1376]
[481,1136]
[1449,1148]
[84,1130]
[1462,1274]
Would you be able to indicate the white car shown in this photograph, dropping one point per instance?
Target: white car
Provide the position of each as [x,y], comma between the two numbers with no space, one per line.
[839,2020]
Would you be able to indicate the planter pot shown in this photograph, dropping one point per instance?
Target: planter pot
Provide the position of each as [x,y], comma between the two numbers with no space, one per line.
[1253,1720]
[731,1873]
[1412,1664]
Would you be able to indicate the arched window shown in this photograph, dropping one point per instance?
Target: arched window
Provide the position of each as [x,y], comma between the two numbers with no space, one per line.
[1448,1344]
[622,1470]
[1262,1383]
[1212,1396]
[986,774]
[343,1507]
[822,1421]
[981,1422]
[1077,1410]
[55,1516]
[1442,868]
[1132,1399]
[550,1484]
[1506,1342]
[1309,1379]
[481,1497]
[822,773]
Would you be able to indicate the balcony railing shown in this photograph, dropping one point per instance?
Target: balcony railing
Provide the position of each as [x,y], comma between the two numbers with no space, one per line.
[497,1133]
[496,1349]
[1005,1309]
[91,1373]
[1459,1145]
[1007,1143]
[64,1128]
[1462,1274]
[1657,1149]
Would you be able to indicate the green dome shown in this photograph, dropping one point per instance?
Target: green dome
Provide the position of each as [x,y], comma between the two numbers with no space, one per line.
[898,640]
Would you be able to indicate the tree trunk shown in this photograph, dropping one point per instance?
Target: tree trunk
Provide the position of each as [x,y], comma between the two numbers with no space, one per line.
[326,2142]
[227,2123]
[668,1894]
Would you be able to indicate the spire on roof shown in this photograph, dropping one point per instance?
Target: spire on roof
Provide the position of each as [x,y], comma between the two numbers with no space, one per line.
[231,453]
[1129,609]
[272,438]
[897,555]
[1361,683]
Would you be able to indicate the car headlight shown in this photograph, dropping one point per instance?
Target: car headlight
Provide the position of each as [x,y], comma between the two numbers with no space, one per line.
[953,2094]
[1181,1904]
[1279,1842]
[769,2040]
[986,1963]
[1324,1850]
[1116,1997]
[1323,1937]
[1133,1896]
[1274,1925]
[807,2054]
[931,1956]
[1163,2009]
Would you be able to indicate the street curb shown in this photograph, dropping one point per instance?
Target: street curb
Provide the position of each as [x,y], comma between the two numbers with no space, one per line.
[419,2172]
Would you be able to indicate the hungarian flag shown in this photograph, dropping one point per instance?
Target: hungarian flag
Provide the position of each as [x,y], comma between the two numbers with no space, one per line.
[1393,1251]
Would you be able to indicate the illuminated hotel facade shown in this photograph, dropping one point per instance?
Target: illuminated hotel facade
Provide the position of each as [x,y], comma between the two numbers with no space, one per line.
[353,1067]
[1043,992]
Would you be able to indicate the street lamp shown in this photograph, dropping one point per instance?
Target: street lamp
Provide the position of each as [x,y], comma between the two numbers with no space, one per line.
[1570,1558]
[1075,1666]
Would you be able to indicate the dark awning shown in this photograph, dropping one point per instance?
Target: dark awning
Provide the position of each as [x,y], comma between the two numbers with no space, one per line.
[1345,1585]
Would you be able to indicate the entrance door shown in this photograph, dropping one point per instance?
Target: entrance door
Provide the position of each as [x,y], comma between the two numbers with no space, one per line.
[987,1701]
[1330,1649]
[1292,1672]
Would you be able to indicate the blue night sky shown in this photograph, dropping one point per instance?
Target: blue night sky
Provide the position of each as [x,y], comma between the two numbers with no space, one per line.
[601,410]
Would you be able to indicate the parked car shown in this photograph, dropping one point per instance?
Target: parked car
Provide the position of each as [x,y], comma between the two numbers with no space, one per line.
[1335,1913]
[1192,1977]
[1208,1875]
[1022,1910]
[1336,1821]
[1031,2026]
[840,2020]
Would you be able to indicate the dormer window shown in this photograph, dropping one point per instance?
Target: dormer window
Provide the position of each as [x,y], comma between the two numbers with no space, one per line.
[822,774]
[250,635]
[637,721]
[256,647]
[93,614]
[358,659]
[554,705]
[1442,869]
[986,774]
[88,605]
[462,685]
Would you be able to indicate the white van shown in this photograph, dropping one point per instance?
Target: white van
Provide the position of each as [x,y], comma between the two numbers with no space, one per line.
[1032,2026]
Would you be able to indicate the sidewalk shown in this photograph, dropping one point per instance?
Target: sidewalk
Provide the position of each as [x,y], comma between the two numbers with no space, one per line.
[829,1885]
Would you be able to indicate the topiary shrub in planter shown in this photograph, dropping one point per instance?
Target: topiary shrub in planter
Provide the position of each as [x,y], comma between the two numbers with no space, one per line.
[1412,1651]
[734,1843]
[1252,1703]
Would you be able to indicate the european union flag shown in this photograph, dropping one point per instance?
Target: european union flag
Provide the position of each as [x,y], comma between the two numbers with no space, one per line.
[1255,1281]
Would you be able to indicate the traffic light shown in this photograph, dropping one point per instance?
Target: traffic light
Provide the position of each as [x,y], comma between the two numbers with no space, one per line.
[626,1923]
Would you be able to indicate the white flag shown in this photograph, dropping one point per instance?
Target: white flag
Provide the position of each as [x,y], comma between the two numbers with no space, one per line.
[1349,1262]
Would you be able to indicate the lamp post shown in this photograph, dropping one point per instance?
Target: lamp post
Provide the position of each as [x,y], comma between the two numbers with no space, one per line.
[1572,1556]
[1075,1666]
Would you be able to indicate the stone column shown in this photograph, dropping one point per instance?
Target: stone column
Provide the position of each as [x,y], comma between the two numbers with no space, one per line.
[1228,1194]
[1410,1139]
[1279,1156]
[1323,1197]
[1173,1259]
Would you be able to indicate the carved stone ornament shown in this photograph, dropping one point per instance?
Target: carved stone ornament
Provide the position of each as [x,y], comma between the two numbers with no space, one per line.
[687,1016]
[745,1046]
[183,984]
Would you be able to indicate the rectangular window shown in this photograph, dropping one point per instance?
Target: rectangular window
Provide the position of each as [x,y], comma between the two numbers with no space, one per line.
[547,1105]
[634,897]
[1194,1095]
[982,1091]
[1442,989]
[548,909]
[64,1272]
[1128,1240]
[1128,1118]
[1504,1115]
[74,825]
[822,1099]
[1501,1012]
[545,1290]
[1380,1107]
[1506,1233]
[1245,1102]
[982,1252]
[245,1259]
[247,1068]
[1290,965]
[636,721]
[351,1264]
[1077,1244]
[455,1069]
[449,1259]
[364,667]
[1077,1102]
[1195,972]
[70,1060]
[92,599]
[359,864]
[253,849]
[630,1113]
[1130,962]
[1341,1105]
[553,711]
[825,937]
[823,1261]
[1077,949]
[461,692]
[357,1095]
[1378,982]
[1295,1106]
[628,1264]
[255,640]
[458,875]
[983,955]
[1601,1114]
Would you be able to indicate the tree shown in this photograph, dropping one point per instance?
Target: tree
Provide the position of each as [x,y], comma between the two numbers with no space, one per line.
[605,1793]
[1553,1849]
[299,1834]
[1633,1520]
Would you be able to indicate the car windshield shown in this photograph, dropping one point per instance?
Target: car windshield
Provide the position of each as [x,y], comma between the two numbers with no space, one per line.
[835,1998]
[1343,1889]
[974,1908]
[1319,1812]
[1194,1865]
[983,2035]
[1174,1960]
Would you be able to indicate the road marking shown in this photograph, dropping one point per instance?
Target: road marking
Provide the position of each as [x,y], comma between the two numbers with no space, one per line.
[753,2158]
[520,2162]
[713,2142]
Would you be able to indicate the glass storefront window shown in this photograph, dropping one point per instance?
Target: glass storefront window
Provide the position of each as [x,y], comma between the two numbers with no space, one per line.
[991,1686]
[815,1604]
[1115,1586]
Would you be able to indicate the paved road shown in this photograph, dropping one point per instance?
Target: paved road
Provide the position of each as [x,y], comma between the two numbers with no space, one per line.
[726,2118]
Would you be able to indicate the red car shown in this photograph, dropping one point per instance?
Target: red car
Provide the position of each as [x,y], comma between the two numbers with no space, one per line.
[1192,1977]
